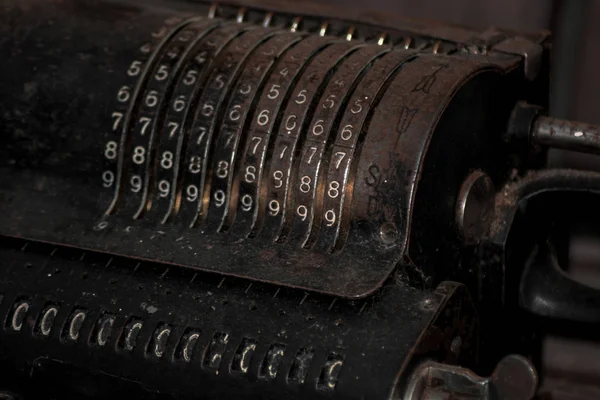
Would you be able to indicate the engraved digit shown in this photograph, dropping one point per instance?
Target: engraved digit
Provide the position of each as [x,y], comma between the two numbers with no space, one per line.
[263,118]
[290,123]
[357,107]
[219,82]
[258,140]
[195,165]
[339,155]
[123,95]
[274,207]
[312,150]
[110,151]
[283,72]
[230,136]
[173,53]
[136,183]
[201,58]
[302,211]
[283,152]
[274,92]
[278,176]
[145,121]
[246,89]
[219,198]
[246,202]
[162,73]
[329,102]
[223,169]
[108,178]
[305,184]
[118,117]
[301,97]
[191,193]
[139,155]
[164,188]
[202,133]
[235,113]
[152,99]
[208,109]
[330,217]
[160,33]
[166,161]
[190,77]
[135,68]
[250,175]
[318,128]
[333,190]
[179,103]
[347,132]
[174,126]
[146,48]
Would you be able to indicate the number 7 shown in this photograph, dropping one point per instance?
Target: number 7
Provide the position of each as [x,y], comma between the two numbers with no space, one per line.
[118,117]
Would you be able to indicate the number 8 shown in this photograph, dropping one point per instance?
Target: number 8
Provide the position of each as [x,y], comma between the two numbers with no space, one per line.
[334,191]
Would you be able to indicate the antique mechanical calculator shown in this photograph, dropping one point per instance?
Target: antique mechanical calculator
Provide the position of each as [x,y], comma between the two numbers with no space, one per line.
[279,201]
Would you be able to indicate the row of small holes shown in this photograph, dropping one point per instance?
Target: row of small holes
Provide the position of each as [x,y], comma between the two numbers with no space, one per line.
[102,331]
[382,38]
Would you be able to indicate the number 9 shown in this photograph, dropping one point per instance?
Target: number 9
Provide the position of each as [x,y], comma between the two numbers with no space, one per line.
[302,212]
[274,207]
[247,202]
[330,217]
[219,197]
[164,187]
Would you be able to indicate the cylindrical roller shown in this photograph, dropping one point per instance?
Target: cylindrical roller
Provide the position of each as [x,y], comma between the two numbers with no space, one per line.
[219,144]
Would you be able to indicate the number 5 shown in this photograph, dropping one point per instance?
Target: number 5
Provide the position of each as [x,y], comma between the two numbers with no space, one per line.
[274,92]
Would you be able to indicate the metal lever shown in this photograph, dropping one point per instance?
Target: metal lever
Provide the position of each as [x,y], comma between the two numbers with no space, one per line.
[513,379]
[529,125]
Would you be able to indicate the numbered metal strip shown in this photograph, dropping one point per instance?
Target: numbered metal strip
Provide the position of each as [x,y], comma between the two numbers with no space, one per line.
[233,133]
[189,158]
[353,126]
[211,109]
[126,101]
[147,121]
[277,90]
[291,131]
[414,100]
[308,188]
[186,83]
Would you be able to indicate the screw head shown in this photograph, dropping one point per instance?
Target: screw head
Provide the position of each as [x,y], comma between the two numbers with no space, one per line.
[388,233]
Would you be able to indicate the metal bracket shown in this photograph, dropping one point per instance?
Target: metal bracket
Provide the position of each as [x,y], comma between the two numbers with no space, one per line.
[513,379]
[530,51]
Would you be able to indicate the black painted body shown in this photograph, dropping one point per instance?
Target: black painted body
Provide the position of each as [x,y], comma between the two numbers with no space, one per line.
[83,227]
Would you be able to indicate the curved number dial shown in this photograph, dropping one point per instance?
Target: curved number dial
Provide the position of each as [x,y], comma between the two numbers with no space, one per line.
[210,110]
[132,83]
[140,154]
[309,189]
[274,97]
[172,129]
[351,128]
[191,158]
[292,131]
[232,135]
